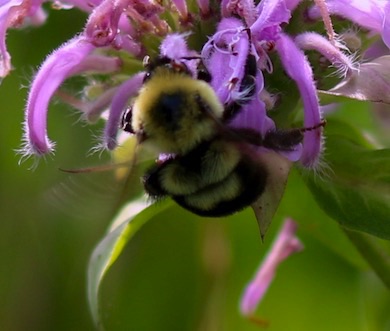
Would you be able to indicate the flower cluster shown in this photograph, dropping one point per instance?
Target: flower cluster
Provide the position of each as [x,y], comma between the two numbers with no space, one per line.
[119,33]
[115,26]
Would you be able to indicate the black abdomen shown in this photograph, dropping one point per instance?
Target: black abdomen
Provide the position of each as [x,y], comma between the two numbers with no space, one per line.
[237,189]
[252,178]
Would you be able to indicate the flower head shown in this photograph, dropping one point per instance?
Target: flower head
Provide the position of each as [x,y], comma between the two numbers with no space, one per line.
[115,28]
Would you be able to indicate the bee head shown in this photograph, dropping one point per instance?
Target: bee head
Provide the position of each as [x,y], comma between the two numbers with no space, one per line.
[173,111]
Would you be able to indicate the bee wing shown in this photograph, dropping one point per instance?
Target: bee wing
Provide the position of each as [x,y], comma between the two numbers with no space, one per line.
[121,164]
[101,187]
[126,153]
[278,168]
[124,159]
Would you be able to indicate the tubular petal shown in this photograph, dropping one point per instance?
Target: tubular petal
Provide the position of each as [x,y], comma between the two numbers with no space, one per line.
[57,67]
[312,40]
[128,89]
[298,68]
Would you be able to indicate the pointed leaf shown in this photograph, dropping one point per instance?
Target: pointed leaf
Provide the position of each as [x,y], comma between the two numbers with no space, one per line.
[278,168]
[127,223]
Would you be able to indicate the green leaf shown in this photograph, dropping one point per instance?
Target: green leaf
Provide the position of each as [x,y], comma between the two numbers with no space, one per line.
[356,190]
[374,253]
[124,227]
[327,97]
[298,203]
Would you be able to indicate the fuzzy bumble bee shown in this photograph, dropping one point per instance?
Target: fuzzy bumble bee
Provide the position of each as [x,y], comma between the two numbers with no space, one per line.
[210,168]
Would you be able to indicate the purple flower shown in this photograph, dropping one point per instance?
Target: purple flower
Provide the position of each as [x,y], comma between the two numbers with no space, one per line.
[285,244]
[115,26]
[225,55]
[119,33]
[15,13]
[72,58]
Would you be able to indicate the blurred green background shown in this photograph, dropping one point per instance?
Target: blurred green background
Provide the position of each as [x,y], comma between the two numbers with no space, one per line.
[180,272]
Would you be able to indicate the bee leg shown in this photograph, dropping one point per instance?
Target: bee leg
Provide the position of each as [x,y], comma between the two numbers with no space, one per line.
[152,183]
[279,140]
[285,140]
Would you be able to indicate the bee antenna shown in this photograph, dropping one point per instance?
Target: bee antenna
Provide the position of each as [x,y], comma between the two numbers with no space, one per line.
[191,58]
[311,128]
[99,168]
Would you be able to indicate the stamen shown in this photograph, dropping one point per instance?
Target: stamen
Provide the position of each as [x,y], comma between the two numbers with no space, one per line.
[327,20]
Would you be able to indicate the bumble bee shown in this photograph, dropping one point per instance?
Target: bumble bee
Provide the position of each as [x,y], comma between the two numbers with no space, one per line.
[210,168]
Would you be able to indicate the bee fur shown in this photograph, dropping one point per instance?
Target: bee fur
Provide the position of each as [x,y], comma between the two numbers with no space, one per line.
[212,169]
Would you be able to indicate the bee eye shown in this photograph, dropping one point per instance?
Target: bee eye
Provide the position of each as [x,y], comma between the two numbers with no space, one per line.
[204,75]
[126,121]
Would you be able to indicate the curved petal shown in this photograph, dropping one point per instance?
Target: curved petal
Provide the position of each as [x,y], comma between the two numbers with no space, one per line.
[225,55]
[58,66]
[182,8]
[298,68]
[175,46]
[272,14]
[253,115]
[128,89]
[12,13]
[386,25]
[312,40]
